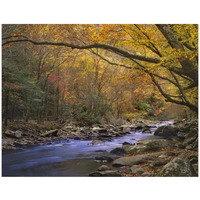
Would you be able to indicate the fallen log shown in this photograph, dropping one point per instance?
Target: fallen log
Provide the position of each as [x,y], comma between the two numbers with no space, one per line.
[50,133]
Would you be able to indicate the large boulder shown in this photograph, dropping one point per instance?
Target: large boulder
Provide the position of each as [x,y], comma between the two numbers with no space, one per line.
[179,166]
[146,145]
[166,131]
[135,160]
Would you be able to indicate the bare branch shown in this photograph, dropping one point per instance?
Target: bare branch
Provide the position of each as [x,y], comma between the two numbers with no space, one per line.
[91,46]
[180,87]
[153,47]
[169,98]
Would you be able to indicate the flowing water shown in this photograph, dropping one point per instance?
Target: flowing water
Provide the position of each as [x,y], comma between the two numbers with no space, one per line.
[65,158]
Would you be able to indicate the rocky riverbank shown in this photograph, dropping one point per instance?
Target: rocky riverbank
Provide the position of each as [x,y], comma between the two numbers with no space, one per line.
[25,134]
[173,153]
[173,156]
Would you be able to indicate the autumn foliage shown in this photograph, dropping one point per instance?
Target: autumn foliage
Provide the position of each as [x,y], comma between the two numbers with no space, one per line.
[92,73]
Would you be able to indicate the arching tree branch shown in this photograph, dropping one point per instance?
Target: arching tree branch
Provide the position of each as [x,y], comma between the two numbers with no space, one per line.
[91,46]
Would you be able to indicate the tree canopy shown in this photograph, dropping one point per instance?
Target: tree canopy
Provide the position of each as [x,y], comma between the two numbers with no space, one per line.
[115,63]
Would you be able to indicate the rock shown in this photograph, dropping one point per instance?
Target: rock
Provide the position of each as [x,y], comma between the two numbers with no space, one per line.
[195,166]
[13,134]
[87,138]
[135,160]
[106,173]
[128,129]
[113,132]
[189,141]
[138,128]
[111,126]
[6,144]
[159,162]
[104,159]
[20,144]
[136,169]
[146,130]
[103,168]
[125,169]
[4,141]
[180,137]
[195,143]
[181,146]
[147,174]
[18,134]
[100,151]
[166,131]
[125,132]
[67,128]
[50,133]
[10,134]
[146,145]
[103,131]
[179,166]
[171,153]
[192,133]
[162,156]
[95,142]
[126,143]
[118,135]
[76,135]
[105,139]
[118,151]
[77,138]
[150,126]
[193,159]
[128,125]
[105,136]
[83,130]
[95,129]
[188,126]
[189,147]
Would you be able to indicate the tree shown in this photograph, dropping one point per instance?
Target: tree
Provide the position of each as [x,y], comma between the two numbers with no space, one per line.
[167,53]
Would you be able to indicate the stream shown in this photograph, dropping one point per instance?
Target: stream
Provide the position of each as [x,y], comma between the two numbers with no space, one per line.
[65,158]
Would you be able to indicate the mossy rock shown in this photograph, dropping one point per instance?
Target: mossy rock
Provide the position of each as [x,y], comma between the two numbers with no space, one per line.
[146,146]
[178,167]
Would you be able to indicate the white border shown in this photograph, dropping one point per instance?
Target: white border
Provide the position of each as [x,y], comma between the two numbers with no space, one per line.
[104,11]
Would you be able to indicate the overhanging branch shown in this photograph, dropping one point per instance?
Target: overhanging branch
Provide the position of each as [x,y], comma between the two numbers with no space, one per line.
[91,46]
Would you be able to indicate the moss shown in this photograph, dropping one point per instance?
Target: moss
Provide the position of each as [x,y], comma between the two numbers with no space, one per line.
[177,167]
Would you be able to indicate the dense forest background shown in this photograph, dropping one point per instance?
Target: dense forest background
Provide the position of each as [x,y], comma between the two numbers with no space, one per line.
[99,73]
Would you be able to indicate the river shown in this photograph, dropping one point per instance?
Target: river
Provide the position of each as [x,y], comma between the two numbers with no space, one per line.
[64,158]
